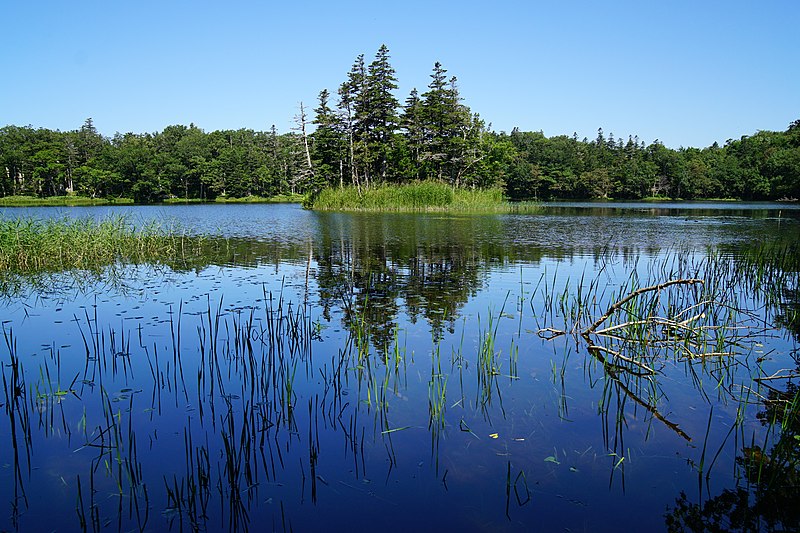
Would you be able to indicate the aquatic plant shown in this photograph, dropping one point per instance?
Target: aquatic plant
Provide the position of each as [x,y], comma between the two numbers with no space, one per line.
[424,196]
[33,245]
[68,200]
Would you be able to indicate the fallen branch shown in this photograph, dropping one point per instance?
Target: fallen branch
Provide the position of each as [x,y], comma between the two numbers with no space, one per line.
[777,375]
[618,355]
[618,304]
[549,334]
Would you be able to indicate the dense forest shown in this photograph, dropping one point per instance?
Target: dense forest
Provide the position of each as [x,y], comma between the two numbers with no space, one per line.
[363,136]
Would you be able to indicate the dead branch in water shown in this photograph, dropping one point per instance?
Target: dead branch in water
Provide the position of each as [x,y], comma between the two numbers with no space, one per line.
[618,304]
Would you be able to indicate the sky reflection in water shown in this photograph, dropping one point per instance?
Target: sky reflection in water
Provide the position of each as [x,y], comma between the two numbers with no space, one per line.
[332,368]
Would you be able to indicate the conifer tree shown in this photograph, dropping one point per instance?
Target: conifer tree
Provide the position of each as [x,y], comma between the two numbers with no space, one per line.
[351,104]
[329,143]
[412,124]
[379,111]
[449,129]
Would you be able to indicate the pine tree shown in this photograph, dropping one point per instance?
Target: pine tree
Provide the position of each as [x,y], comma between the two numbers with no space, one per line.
[433,109]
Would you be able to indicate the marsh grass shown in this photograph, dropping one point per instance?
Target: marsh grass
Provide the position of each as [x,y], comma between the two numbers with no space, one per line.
[31,245]
[424,196]
[69,200]
[278,199]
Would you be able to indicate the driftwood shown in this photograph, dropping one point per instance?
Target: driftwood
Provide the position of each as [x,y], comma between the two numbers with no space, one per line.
[595,348]
[634,367]
[778,375]
[618,304]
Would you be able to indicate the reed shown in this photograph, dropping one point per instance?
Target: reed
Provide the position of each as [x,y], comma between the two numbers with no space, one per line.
[58,201]
[423,196]
[278,199]
[29,245]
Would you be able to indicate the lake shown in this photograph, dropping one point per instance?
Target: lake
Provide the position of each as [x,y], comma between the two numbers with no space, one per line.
[599,367]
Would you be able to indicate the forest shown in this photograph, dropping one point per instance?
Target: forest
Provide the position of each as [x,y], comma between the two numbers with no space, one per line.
[363,136]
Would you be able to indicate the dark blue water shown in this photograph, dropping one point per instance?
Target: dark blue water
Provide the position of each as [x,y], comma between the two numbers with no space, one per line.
[395,371]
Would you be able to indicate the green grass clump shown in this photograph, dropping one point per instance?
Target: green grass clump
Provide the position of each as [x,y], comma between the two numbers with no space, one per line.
[278,199]
[31,245]
[184,201]
[69,200]
[424,196]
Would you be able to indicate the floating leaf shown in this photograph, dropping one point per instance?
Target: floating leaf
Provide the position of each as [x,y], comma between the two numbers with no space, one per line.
[551,459]
[493,435]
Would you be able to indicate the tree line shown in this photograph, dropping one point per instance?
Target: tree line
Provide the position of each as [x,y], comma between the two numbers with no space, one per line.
[179,162]
[361,135]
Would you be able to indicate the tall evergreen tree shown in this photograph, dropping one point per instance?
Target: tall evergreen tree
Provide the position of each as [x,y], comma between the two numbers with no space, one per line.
[436,109]
[328,152]
[352,95]
[379,111]
[451,135]
[413,126]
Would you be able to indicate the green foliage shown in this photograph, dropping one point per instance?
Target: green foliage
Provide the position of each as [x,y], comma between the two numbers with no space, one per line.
[760,167]
[180,162]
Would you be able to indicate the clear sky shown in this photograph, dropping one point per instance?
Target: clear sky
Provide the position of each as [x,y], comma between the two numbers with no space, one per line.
[686,72]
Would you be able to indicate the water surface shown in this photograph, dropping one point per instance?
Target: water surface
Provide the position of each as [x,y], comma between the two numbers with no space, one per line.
[407,372]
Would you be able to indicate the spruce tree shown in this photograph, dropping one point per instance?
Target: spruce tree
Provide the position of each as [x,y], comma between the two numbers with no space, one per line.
[412,123]
[379,111]
[329,143]
[351,106]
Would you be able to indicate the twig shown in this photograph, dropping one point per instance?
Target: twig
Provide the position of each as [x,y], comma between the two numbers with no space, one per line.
[550,333]
[777,376]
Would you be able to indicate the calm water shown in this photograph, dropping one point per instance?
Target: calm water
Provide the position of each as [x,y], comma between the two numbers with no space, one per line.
[408,372]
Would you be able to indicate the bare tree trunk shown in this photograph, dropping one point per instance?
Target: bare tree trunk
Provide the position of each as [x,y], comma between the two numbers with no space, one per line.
[305,137]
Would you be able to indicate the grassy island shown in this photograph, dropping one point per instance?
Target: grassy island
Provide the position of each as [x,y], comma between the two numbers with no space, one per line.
[75,200]
[424,196]
[60,201]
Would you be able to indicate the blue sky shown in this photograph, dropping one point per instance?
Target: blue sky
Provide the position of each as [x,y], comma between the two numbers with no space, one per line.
[686,72]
